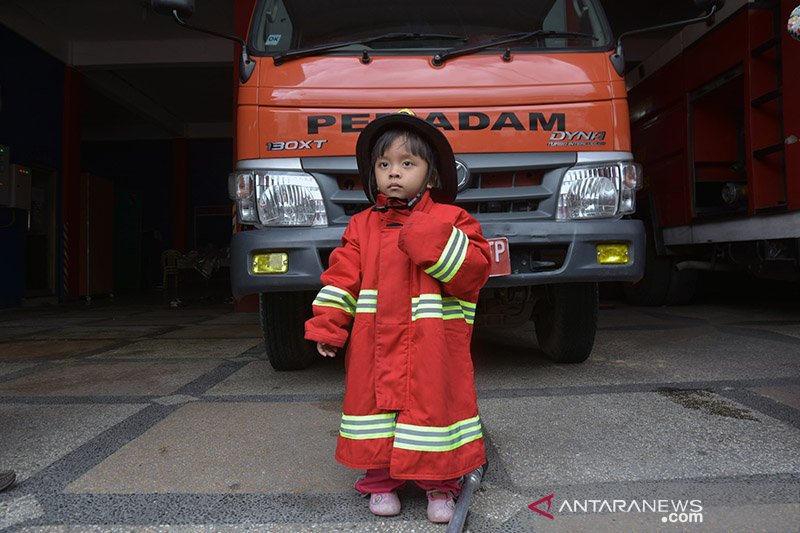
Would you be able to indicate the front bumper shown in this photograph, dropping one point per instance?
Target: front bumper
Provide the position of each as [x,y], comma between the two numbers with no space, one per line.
[308,249]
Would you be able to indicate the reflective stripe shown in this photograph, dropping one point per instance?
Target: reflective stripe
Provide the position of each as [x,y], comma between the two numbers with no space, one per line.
[447,308]
[437,439]
[330,296]
[426,306]
[368,427]
[452,257]
[367,301]
[455,308]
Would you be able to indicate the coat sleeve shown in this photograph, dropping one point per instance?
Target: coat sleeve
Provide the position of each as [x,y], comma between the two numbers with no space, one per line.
[456,255]
[335,304]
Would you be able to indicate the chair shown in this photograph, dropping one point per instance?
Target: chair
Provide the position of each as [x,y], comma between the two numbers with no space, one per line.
[171,273]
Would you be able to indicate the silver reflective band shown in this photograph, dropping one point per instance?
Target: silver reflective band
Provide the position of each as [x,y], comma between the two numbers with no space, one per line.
[330,296]
[408,436]
[426,306]
[445,308]
[455,308]
[367,427]
[452,257]
[367,301]
[437,439]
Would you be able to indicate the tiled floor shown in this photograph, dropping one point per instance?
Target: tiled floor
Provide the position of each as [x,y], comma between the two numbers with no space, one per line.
[141,417]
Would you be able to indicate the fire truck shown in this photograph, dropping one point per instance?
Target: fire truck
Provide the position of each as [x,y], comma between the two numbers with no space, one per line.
[530,94]
[715,120]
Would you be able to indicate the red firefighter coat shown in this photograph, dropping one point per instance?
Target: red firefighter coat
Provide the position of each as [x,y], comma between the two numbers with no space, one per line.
[409,282]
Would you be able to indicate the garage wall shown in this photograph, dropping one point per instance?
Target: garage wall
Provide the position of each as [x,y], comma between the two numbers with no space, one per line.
[141,173]
[32,88]
[210,162]
[31,112]
[32,85]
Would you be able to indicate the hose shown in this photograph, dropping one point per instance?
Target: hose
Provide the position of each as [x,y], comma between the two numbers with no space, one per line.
[471,482]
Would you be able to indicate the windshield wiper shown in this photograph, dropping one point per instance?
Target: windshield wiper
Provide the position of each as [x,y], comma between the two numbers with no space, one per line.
[440,58]
[397,36]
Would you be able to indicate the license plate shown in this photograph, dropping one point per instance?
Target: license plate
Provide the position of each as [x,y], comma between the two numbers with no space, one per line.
[501,260]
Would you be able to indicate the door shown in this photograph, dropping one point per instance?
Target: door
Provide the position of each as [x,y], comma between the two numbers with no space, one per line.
[40,255]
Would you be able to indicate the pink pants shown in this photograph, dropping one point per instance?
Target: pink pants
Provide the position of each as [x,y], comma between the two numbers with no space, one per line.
[378,480]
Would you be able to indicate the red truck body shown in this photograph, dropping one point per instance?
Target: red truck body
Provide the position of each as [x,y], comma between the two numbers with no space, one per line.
[715,119]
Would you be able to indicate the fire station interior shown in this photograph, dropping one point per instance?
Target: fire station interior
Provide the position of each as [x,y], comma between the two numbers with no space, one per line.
[123,122]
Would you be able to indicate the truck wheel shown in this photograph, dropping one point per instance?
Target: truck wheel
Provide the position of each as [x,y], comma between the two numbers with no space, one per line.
[566,321]
[682,286]
[651,290]
[282,317]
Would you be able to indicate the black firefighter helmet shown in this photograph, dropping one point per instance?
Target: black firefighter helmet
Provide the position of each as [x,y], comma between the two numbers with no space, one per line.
[405,120]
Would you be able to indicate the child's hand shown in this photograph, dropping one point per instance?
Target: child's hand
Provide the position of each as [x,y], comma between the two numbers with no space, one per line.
[326,350]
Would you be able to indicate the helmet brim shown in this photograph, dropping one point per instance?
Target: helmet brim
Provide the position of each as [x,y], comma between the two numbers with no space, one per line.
[446,162]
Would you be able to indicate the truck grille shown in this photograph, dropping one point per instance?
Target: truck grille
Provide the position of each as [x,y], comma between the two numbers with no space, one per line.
[489,180]
[521,186]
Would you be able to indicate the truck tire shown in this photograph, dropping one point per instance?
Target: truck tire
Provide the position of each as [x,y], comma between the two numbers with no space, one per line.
[682,286]
[652,289]
[282,317]
[566,321]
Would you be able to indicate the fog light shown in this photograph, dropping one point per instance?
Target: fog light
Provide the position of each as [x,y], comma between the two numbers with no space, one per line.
[271,263]
[613,254]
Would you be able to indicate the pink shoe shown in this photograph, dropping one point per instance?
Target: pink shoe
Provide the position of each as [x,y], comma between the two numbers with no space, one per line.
[441,506]
[384,504]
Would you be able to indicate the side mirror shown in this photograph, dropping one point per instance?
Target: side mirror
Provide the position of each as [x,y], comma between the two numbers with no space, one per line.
[706,5]
[185,8]
[709,6]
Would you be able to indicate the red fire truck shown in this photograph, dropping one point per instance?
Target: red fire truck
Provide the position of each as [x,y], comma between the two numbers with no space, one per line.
[715,120]
[530,94]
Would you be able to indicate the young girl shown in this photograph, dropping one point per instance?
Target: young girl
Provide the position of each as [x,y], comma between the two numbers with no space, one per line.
[408,276]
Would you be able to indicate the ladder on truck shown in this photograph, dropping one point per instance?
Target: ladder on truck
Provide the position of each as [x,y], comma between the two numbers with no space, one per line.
[764,124]
[736,116]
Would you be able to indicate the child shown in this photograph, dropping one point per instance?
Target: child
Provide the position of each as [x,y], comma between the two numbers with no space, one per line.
[408,274]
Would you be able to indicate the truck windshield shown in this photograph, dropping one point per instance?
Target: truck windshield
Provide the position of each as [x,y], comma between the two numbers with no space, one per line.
[282,26]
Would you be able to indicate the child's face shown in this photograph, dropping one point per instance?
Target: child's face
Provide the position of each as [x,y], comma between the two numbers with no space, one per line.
[398,172]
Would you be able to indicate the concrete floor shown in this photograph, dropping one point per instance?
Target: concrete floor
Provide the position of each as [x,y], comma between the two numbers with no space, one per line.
[141,417]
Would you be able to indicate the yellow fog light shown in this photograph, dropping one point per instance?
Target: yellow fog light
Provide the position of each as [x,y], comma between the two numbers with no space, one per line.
[613,254]
[270,263]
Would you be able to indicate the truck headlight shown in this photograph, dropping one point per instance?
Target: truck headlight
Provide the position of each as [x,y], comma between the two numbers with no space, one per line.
[599,191]
[240,189]
[278,198]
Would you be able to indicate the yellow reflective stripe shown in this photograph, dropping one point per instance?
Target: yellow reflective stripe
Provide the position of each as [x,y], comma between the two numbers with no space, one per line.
[437,439]
[445,308]
[455,308]
[367,301]
[366,427]
[419,316]
[461,254]
[429,448]
[426,306]
[427,299]
[438,264]
[440,430]
[331,296]
[367,418]
[453,255]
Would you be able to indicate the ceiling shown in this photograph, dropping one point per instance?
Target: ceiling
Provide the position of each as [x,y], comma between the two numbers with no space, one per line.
[150,78]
